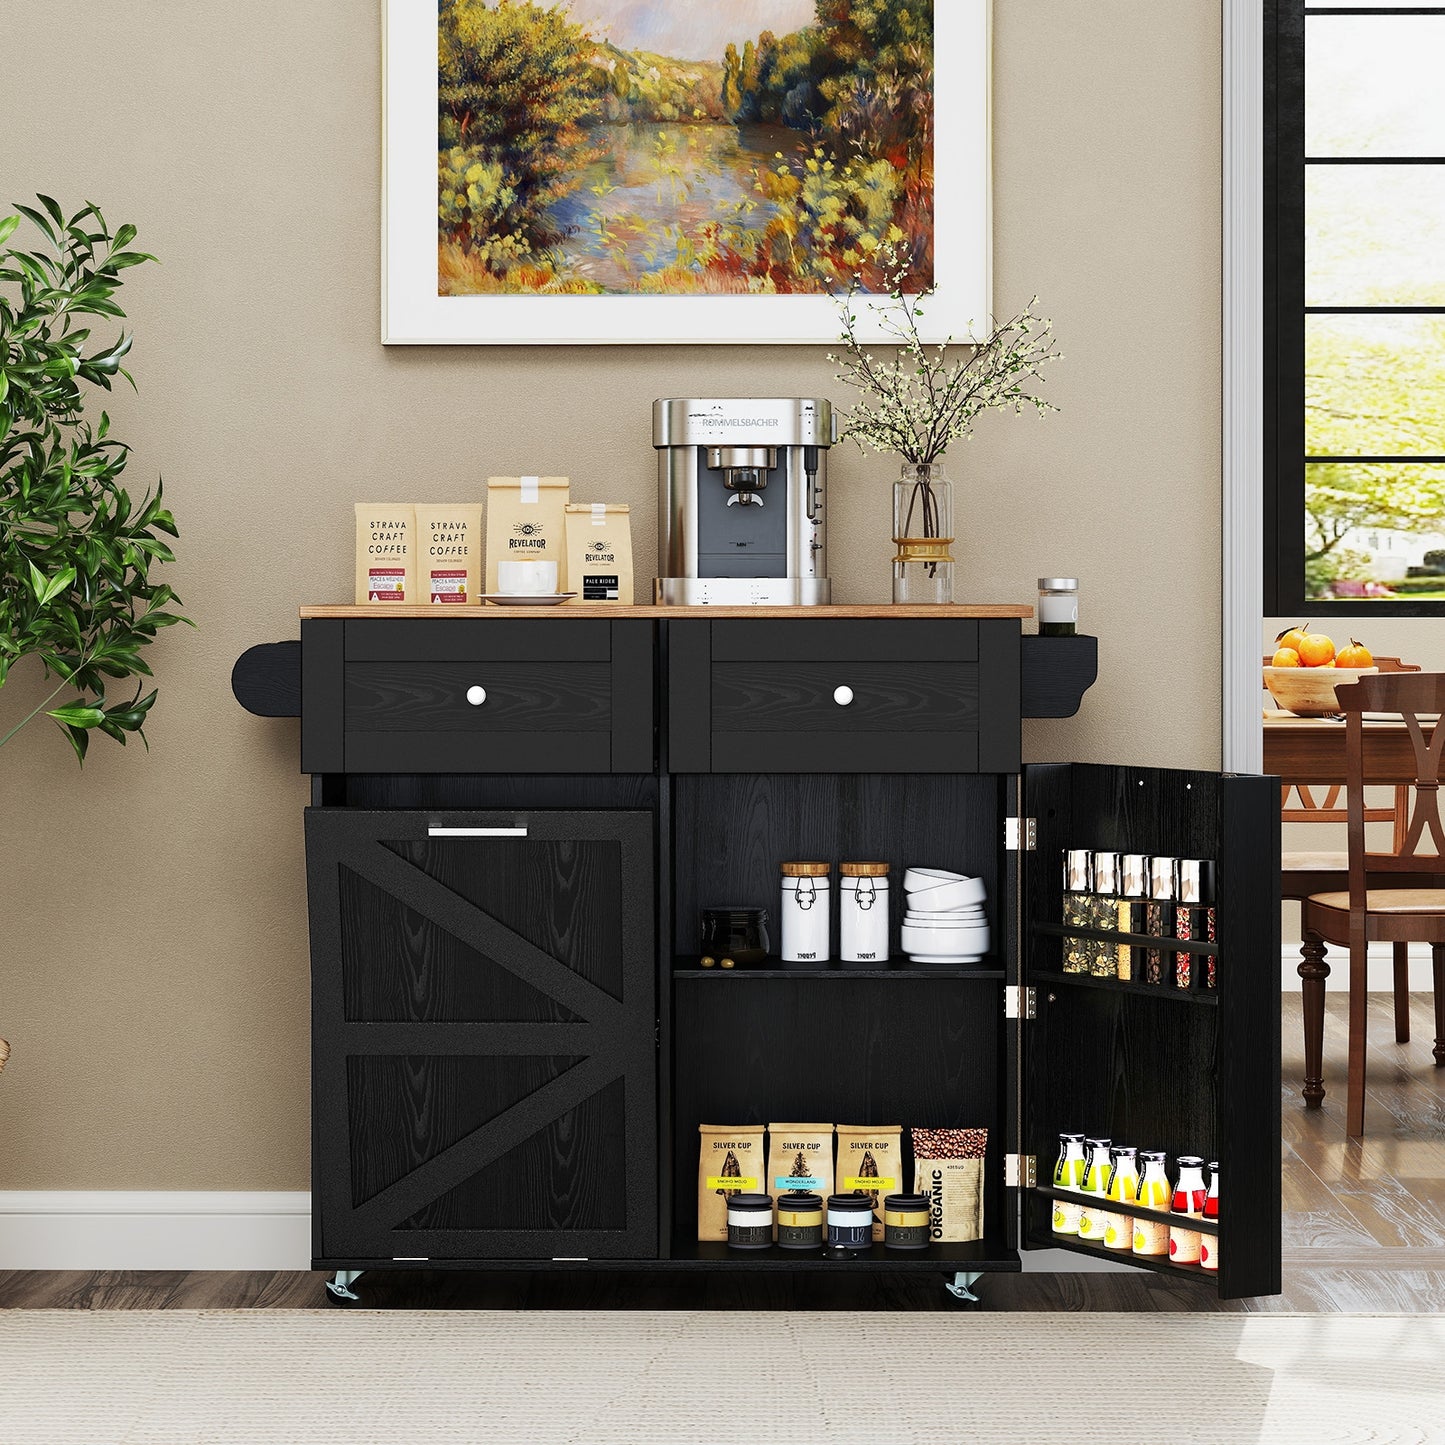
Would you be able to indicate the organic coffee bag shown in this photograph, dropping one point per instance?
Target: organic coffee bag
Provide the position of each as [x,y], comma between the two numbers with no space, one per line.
[599,553]
[948,1168]
[800,1159]
[449,548]
[385,552]
[527,522]
[730,1161]
[870,1161]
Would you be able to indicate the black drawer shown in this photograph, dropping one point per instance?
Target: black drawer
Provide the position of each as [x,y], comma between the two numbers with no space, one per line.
[478,696]
[839,696]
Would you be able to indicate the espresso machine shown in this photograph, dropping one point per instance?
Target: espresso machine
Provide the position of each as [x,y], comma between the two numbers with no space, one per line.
[742,495]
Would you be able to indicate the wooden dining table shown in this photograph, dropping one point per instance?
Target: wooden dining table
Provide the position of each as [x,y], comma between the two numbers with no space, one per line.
[1311,750]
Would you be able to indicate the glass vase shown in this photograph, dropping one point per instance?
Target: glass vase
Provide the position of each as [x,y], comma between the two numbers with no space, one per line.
[923,535]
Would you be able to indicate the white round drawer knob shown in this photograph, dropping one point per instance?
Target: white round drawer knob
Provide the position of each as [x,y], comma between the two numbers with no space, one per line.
[476,696]
[842,696]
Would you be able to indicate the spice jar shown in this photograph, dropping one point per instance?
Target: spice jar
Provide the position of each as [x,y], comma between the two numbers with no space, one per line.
[1058,606]
[1158,916]
[1193,918]
[863,914]
[800,1221]
[850,1221]
[905,1221]
[750,1221]
[1108,889]
[1135,883]
[806,914]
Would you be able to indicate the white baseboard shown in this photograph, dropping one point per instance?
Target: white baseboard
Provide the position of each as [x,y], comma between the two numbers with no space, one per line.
[1381,970]
[146,1229]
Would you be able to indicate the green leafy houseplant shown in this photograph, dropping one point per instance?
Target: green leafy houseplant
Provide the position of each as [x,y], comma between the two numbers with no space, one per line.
[76,549]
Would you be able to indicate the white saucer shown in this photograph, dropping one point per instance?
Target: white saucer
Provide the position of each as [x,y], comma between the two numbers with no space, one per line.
[524,599]
[946,957]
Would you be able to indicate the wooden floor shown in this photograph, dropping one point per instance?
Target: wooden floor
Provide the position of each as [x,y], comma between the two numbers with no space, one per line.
[1364,1230]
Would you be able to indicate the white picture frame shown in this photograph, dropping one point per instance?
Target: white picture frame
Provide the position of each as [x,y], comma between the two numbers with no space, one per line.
[414,314]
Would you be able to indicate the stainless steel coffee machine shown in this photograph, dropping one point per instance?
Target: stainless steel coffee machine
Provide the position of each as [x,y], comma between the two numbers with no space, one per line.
[742,497]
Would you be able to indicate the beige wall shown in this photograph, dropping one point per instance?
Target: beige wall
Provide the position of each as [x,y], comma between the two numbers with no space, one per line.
[154,972]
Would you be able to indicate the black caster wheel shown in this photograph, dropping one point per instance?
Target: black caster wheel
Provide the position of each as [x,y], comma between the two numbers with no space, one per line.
[342,1297]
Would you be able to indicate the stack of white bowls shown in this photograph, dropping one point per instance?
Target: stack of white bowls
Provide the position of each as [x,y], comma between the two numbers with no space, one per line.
[944,921]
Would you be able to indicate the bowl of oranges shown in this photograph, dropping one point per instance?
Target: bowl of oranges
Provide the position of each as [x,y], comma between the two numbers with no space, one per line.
[1305,670]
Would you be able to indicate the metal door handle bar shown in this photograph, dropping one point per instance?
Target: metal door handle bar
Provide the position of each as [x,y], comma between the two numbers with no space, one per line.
[476,832]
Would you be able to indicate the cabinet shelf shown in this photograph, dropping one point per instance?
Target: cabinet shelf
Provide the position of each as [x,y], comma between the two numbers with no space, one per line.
[897,968]
[1134,1211]
[987,1255]
[1115,985]
[1143,940]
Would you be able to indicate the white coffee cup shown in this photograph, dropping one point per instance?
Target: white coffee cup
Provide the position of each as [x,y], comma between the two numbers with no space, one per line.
[527,579]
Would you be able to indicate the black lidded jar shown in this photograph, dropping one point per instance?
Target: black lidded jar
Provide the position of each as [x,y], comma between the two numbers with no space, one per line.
[906,1221]
[750,1221]
[800,1221]
[850,1221]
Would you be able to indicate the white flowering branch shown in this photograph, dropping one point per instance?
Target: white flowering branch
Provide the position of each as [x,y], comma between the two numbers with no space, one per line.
[920,399]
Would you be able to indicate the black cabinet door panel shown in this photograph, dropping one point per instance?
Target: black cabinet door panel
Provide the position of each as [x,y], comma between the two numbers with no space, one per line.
[484,1035]
[1188,1071]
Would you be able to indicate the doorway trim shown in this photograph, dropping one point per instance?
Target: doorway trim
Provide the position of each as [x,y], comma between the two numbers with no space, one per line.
[1242,515]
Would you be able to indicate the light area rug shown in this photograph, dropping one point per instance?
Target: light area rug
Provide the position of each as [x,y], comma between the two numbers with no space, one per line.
[354,1378]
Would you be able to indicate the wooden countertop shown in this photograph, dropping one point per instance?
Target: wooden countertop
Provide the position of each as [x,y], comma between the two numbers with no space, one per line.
[614,612]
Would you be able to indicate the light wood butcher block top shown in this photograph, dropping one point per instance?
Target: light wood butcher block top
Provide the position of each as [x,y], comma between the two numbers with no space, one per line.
[437,611]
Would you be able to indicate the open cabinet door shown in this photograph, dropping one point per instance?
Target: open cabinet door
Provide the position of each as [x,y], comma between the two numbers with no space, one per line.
[1178,1065]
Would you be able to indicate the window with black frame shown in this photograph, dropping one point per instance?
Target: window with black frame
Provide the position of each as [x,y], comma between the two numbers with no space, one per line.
[1355,307]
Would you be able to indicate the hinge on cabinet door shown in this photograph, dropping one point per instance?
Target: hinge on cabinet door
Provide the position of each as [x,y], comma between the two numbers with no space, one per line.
[1020,1171]
[1020,1002]
[1012,831]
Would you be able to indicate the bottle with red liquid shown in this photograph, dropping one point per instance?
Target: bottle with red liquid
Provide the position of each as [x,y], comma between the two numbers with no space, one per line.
[1209,1243]
[1189,1196]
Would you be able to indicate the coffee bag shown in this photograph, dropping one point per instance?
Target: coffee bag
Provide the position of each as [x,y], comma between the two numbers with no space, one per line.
[948,1168]
[527,522]
[385,553]
[730,1161]
[800,1159]
[870,1161]
[448,552]
[599,553]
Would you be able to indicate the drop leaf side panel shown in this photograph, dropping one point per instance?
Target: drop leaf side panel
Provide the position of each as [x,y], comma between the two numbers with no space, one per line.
[1188,1075]
[483,1036]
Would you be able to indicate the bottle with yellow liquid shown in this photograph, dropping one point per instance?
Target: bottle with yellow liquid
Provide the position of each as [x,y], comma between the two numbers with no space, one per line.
[1123,1188]
[1153,1193]
[1068,1174]
[1095,1190]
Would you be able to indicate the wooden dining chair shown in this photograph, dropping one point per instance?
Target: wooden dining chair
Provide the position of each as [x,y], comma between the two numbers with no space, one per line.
[1304,871]
[1364,913]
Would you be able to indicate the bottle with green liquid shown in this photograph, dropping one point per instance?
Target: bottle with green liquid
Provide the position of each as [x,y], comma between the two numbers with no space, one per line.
[1095,1190]
[1068,1174]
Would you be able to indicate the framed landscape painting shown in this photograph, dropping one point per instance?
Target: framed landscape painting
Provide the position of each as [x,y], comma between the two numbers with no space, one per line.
[592,171]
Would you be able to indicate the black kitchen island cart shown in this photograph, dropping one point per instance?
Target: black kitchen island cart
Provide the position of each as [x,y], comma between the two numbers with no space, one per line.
[516,817]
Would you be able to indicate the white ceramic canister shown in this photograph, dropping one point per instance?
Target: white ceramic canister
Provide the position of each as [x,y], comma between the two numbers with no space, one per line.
[863,913]
[806,913]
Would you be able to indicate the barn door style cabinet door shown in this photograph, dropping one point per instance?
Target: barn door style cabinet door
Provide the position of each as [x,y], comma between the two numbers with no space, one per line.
[518,820]
[483,1034]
